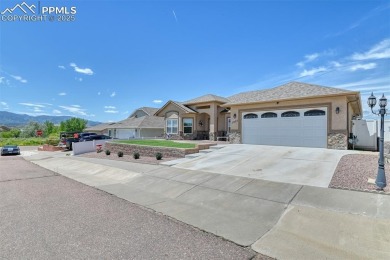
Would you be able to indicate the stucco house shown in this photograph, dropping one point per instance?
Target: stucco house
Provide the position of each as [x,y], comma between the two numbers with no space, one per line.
[140,124]
[294,114]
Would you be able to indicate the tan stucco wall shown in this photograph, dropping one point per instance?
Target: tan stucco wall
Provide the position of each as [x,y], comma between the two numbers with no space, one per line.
[338,122]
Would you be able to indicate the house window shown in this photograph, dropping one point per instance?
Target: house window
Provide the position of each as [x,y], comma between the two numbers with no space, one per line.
[315,112]
[172,126]
[290,114]
[250,116]
[187,125]
[269,115]
[229,123]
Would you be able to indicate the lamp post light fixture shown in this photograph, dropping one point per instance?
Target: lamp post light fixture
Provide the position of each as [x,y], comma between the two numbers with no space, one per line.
[381,177]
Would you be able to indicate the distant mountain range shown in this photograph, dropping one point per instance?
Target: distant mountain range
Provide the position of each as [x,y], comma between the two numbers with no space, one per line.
[16,120]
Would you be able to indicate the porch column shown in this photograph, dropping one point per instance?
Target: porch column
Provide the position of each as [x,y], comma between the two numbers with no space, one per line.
[213,123]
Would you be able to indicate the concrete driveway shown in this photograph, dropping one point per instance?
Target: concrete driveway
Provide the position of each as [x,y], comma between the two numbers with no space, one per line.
[296,165]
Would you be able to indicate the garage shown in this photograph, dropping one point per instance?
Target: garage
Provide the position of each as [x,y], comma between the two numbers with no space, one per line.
[292,127]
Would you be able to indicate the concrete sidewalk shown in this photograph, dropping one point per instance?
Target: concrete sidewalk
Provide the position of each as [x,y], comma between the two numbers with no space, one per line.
[286,221]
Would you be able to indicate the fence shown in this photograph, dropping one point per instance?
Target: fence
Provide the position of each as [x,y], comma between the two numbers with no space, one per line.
[87,147]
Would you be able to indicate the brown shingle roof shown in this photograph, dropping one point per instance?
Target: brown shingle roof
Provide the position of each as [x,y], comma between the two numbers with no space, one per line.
[141,122]
[149,110]
[292,90]
[206,98]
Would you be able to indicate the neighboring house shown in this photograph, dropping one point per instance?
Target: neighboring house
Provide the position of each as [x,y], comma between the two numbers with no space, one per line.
[199,118]
[294,114]
[140,124]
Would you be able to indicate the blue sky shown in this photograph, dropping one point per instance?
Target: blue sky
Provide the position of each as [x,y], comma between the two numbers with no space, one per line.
[120,55]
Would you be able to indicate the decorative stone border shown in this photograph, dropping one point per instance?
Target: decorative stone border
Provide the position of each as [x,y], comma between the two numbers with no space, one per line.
[50,148]
[145,150]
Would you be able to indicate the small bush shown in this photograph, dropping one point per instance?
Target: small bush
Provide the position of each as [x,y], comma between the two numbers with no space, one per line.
[99,150]
[159,156]
[136,155]
[120,154]
[108,152]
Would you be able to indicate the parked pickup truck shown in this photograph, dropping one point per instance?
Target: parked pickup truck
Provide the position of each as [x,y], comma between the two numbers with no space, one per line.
[67,138]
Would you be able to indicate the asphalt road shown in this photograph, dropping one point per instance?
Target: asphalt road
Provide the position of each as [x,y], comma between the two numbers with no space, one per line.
[48,216]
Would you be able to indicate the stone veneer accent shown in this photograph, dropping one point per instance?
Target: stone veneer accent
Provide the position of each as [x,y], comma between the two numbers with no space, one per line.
[212,136]
[235,137]
[151,151]
[338,141]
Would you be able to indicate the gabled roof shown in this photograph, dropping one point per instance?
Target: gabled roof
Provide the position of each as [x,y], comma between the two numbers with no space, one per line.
[292,90]
[140,122]
[206,98]
[132,123]
[148,110]
[178,104]
[99,127]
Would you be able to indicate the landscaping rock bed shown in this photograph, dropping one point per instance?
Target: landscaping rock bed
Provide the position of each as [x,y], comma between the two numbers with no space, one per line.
[353,172]
[126,158]
[144,150]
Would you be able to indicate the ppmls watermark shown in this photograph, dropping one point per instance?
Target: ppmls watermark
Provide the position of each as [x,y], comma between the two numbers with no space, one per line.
[37,12]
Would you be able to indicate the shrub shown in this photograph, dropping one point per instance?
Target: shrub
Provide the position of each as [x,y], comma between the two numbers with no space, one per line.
[108,152]
[99,150]
[136,155]
[159,156]
[120,154]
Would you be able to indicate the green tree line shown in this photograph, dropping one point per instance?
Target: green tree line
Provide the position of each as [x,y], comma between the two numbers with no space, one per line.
[49,130]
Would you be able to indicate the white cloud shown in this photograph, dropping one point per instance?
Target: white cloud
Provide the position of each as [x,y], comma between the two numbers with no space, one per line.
[2,79]
[113,94]
[4,105]
[62,94]
[86,71]
[75,105]
[78,79]
[55,111]
[308,58]
[19,78]
[111,111]
[157,101]
[312,71]
[367,66]
[99,93]
[37,109]
[378,51]
[61,67]
[31,105]
[109,107]
[335,64]
[75,110]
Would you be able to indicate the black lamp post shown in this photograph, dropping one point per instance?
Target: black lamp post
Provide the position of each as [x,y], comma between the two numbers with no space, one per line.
[381,177]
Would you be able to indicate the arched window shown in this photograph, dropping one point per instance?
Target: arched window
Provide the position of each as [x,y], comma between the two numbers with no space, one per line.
[250,116]
[290,114]
[315,112]
[269,115]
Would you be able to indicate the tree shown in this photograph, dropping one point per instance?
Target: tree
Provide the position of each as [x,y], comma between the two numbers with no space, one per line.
[73,125]
[13,133]
[30,129]
[48,128]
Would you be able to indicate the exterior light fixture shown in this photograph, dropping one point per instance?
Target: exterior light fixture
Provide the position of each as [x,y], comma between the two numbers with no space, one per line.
[381,177]
[337,110]
[200,123]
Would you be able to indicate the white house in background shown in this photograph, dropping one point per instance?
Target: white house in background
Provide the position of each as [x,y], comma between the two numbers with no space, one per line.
[140,124]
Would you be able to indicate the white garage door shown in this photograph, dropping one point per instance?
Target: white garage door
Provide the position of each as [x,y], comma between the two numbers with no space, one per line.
[295,127]
[125,133]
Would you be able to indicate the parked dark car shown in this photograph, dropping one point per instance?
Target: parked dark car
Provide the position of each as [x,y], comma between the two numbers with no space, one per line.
[10,149]
[97,137]
[67,138]
[84,136]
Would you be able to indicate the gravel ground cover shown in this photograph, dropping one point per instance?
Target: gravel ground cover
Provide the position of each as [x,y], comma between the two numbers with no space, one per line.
[354,170]
[126,158]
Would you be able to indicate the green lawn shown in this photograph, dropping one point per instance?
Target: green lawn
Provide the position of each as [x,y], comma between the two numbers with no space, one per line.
[163,143]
